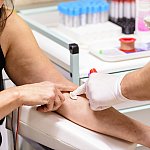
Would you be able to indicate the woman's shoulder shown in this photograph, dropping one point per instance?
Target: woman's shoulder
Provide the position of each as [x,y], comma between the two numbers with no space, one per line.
[14,23]
[15,27]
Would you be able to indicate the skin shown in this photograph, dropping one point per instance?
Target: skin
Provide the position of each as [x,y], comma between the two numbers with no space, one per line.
[138,90]
[22,52]
[1,2]
[100,121]
[49,95]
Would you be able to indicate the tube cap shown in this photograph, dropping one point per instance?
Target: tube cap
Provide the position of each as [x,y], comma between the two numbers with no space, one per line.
[93,70]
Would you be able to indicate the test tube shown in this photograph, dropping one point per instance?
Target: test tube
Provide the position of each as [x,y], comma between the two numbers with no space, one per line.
[133,15]
[76,16]
[95,13]
[112,10]
[69,17]
[104,12]
[89,14]
[116,15]
[67,21]
[82,12]
[62,8]
[120,15]
[133,9]
[73,17]
[83,17]
[127,26]
[128,9]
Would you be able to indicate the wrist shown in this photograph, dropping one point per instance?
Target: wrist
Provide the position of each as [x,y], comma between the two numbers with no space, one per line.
[16,95]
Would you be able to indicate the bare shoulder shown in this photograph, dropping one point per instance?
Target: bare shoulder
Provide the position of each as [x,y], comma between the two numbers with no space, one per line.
[15,29]
[15,24]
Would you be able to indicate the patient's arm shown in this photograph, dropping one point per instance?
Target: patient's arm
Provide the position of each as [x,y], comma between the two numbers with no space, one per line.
[108,121]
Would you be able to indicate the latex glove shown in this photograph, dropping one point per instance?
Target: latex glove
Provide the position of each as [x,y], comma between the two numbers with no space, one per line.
[103,91]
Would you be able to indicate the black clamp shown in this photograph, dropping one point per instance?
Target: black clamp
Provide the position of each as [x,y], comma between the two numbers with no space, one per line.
[74,48]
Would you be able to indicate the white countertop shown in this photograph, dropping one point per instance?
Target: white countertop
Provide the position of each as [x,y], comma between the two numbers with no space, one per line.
[86,60]
[52,130]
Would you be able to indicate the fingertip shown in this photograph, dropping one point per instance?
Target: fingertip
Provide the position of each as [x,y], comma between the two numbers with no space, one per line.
[42,110]
[39,108]
[66,88]
[63,98]
[71,88]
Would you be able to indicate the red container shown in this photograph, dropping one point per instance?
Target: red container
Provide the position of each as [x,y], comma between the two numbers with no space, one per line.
[127,44]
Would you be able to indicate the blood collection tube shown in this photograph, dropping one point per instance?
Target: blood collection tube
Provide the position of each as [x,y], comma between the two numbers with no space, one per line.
[96,18]
[127,9]
[104,12]
[116,5]
[82,12]
[62,8]
[120,15]
[112,10]
[83,17]
[133,9]
[89,14]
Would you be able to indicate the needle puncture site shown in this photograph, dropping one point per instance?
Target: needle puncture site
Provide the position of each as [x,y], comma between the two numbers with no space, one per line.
[73,96]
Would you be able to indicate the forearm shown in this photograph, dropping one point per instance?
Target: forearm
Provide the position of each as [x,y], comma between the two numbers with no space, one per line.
[8,102]
[136,85]
[100,121]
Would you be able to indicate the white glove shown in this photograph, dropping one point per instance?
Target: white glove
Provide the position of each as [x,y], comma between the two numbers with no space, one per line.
[103,91]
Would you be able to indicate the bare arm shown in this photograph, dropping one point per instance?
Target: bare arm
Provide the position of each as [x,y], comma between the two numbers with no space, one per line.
[8,102]
[32,66]
[20,66]
[108,121]
[43,93]
[136,85]
[25,61]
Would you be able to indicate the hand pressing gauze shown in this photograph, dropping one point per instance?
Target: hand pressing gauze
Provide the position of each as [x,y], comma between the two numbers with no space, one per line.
[104,91]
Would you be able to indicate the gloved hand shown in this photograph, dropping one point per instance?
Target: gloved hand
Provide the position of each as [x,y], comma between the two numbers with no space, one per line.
[103,91]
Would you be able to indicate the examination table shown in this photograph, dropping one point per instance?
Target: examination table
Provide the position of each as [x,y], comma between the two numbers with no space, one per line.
[56,132]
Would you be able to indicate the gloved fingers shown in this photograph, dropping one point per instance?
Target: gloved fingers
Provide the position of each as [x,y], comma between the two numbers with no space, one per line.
[96,106]
[102,108]
[87,92]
